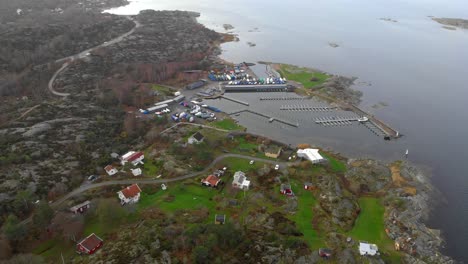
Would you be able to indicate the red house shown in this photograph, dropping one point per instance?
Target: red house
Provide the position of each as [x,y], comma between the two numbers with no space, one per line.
[286,190]
[89,245]
[80,208]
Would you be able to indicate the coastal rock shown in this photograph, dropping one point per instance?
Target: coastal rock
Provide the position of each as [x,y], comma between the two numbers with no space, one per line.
[452,22]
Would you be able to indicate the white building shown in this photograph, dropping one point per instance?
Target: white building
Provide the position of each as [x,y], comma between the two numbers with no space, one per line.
[311,154]
[131,194]
[133,157]
[240,181]
[110,170]
[136,172]
[366,249]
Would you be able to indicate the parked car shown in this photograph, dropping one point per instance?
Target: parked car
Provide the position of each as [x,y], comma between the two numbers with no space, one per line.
[93,178]
[277,167]
[251,162]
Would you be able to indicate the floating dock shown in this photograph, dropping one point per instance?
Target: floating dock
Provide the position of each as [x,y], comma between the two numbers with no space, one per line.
[234,100]
[282,98]
[270,119]
[306,108]
[336,121]
[259,88]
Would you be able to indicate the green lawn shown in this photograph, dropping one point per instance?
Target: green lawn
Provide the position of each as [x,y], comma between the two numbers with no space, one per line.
[336,165]
[163,90]
[238,164]
[369,226]
[304,216]
[308,77]
[151,168]
[180,196]
[227,124]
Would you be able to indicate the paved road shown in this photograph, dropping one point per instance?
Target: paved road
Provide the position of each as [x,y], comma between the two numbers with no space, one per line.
[67,60]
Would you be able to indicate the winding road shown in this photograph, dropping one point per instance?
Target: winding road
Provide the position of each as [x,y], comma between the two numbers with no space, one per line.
[67,60]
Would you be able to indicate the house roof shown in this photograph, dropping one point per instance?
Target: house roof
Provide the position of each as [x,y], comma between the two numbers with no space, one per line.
[368,248]
[285,186]
[90,242]
[311,154]
[135,156]
[239,178]
[212,180]
[308,184]
[131,191]
[74,208]
[108,168]
[220,218]
[137,172]
[198,136]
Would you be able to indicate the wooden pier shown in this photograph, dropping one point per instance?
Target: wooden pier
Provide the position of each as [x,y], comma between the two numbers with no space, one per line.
[270,119]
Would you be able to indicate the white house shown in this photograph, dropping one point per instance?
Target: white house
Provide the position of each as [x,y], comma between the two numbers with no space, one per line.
[366,249]
[240,181]
[136,172]
[196,138]
[110,170]
[133,157]
[312,155]
[131,194]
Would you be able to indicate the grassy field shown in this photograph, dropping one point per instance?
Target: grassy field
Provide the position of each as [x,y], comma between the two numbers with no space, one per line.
[304,216]
[163,90]
[180,196]
[237,164]
[227,124]
[369,227]
[308,77]
[151,168]
[336,165]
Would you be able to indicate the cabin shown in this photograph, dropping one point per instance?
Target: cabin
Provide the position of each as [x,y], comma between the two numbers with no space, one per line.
[211,181]
[89,245]
[80,208]
[240,181]
[286,189]
[196,138]
[129,195]
[273,152]
[220,219]
[110,170]
[366,249]
[310,154]
[133,157]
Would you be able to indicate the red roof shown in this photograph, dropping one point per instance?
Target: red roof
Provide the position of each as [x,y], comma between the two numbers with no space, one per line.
[91,242]
[135,156]
[109,168]
[131,191]
[212,180]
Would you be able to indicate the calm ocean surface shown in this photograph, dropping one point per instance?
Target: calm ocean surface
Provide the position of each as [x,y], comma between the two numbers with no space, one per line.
[414,65]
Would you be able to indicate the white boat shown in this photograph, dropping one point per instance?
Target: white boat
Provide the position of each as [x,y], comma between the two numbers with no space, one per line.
[363,119]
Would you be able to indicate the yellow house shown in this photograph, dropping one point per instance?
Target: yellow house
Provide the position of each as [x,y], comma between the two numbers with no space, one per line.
[273,152]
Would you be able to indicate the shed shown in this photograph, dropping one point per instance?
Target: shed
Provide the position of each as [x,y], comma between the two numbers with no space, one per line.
[366,249]
[220,219]
[89,245]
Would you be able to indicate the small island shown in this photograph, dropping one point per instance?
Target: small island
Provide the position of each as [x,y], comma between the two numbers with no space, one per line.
[452,23]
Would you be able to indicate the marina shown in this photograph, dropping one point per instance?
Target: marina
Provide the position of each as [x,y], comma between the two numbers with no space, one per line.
[270,119]
[282,98]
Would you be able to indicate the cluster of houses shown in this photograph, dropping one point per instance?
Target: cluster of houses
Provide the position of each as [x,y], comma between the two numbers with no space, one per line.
[134,158]
[239,181]
[92,243]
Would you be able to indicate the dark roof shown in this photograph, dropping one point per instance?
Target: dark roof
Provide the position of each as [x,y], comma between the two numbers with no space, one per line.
[285,186]
[198,136]
[90,242]
[308,184]
[131,191]
[220,218]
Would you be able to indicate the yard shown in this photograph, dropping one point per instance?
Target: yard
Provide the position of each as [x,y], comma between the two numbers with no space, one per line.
[238,164]
[308,77]
[227,124]
[304,215]
[180,196]
[161,89]
[369,226]
[336,165]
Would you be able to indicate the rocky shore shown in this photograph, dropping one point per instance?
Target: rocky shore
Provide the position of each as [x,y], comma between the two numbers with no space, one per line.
[452,22]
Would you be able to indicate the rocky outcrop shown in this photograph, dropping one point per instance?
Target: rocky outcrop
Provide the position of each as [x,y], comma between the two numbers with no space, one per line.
[452,22]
